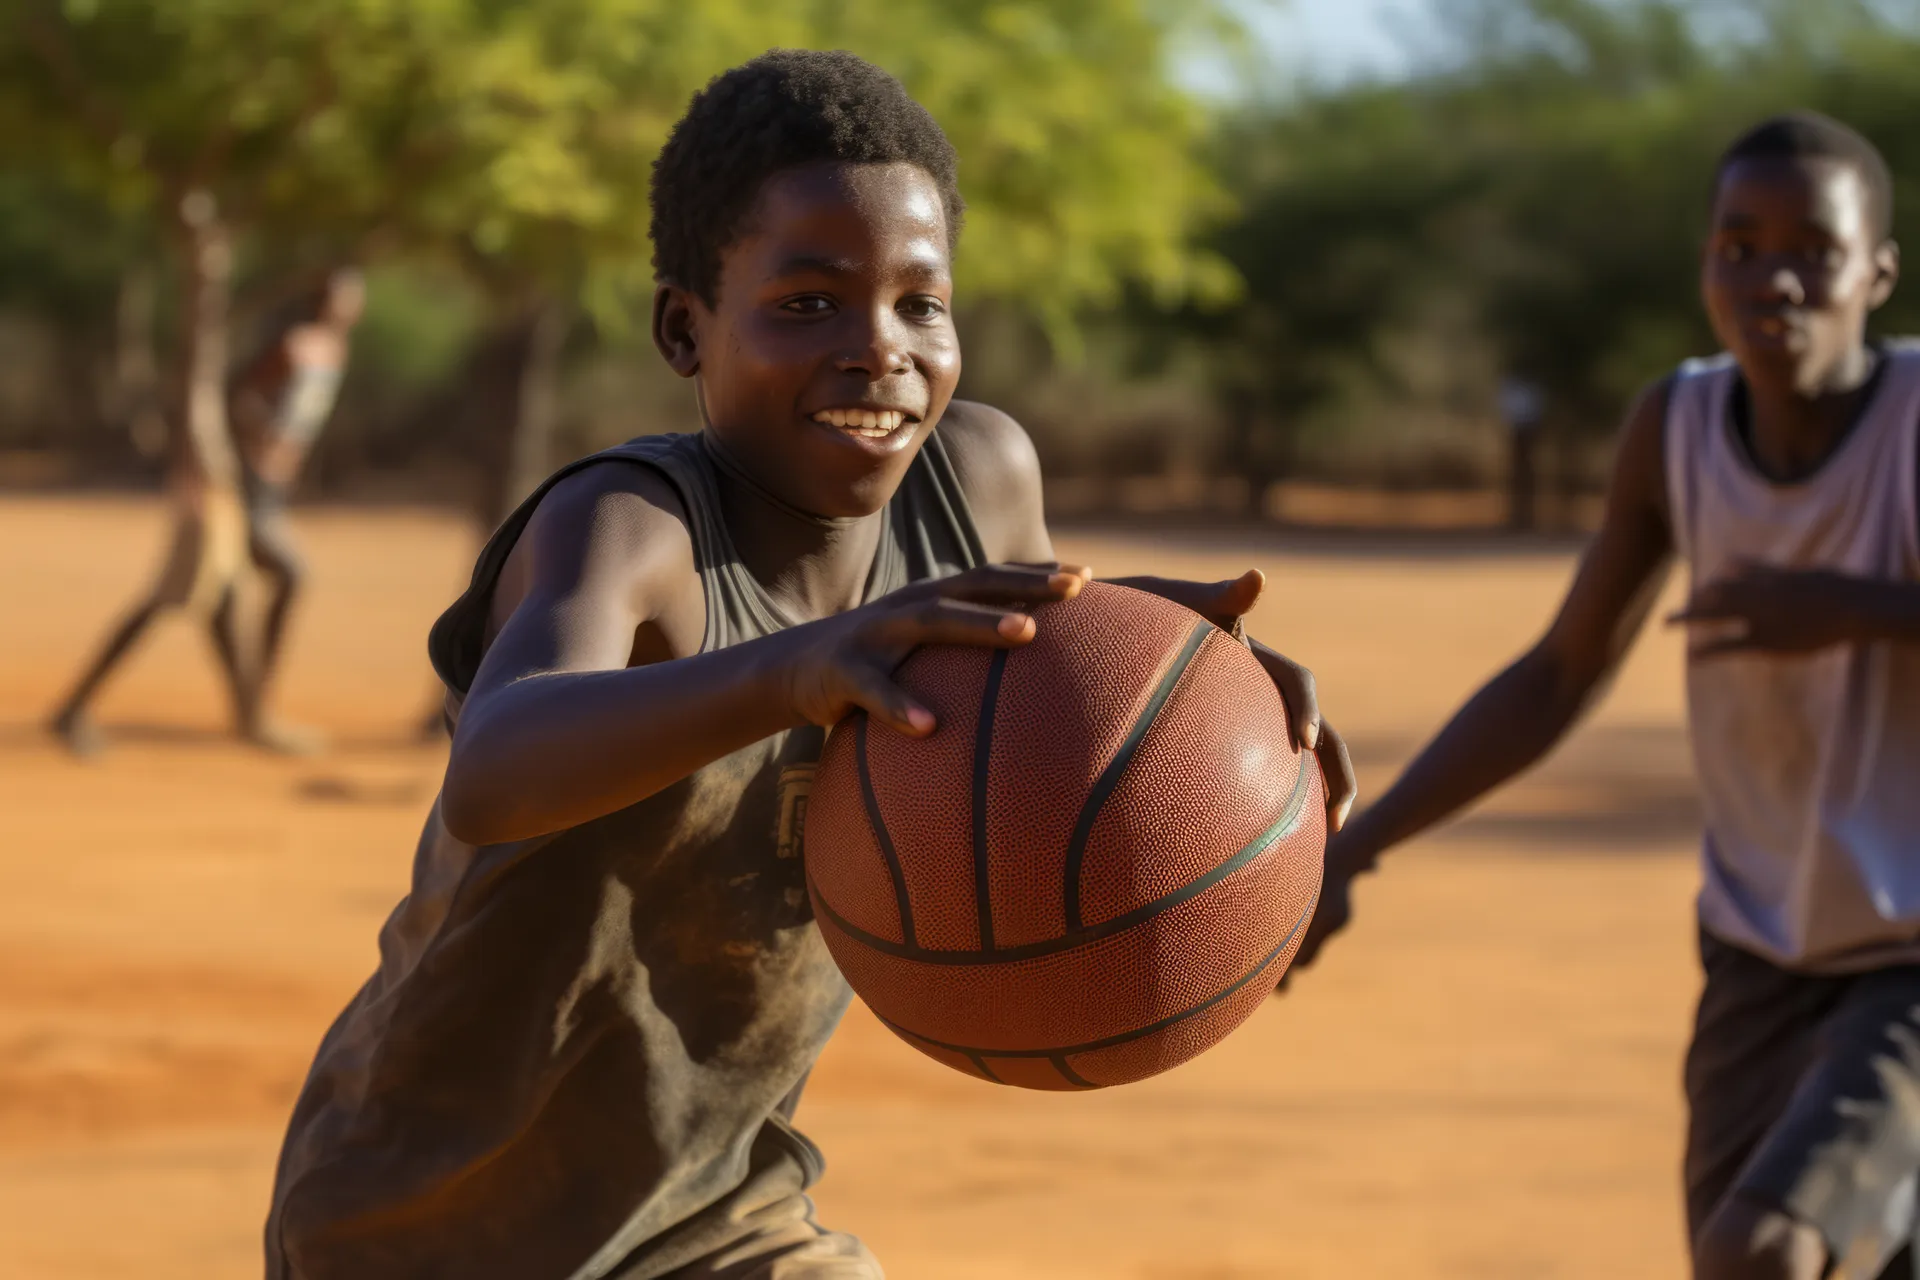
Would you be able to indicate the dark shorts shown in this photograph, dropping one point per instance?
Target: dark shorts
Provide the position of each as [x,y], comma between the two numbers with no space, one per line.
[270,541]
[1804,1094]
[763,1230]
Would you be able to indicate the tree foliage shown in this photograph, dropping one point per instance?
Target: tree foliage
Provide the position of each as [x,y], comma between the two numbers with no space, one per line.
[519,136]
[1534,206]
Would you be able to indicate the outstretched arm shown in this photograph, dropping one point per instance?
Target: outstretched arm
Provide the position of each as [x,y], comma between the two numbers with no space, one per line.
[583,706]
[1525,710]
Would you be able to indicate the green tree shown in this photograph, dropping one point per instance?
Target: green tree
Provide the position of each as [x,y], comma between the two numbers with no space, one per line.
[198,115]
[516,139]
[1534,205]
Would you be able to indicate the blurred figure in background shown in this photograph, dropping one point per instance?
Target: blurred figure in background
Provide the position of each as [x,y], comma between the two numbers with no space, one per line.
[279,402]
[1522,407]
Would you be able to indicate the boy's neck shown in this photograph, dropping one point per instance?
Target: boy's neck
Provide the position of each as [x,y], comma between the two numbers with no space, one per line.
[814,566]
[1791,432]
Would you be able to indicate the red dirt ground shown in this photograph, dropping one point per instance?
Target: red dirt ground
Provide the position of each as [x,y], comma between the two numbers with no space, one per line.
[1482,1081]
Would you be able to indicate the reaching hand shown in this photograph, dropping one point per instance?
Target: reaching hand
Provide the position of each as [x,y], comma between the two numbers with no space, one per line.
[1346,860]
[1225,604]
[1761,609]
[1335,911]
[847,662]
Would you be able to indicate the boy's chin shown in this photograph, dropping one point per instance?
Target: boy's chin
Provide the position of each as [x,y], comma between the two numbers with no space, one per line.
[855,496]
[833,481]
[850,475]
[1782,370]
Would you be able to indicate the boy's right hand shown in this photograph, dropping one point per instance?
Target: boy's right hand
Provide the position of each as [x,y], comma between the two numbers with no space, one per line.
[847,662]
[1347,858]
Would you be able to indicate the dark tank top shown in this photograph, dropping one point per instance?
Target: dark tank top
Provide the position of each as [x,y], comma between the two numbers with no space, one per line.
[580,1049]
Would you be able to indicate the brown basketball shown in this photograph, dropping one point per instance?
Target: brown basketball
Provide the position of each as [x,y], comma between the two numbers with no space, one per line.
[1094,869]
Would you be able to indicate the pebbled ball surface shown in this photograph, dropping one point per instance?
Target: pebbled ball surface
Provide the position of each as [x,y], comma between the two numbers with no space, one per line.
[1095,868]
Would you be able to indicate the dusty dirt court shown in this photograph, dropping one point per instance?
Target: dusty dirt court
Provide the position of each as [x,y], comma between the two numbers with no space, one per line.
[1481,1081]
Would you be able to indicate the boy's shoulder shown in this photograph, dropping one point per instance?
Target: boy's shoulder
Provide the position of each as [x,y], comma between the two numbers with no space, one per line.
[607,513]
[987,444]
[999,472]
[600,525]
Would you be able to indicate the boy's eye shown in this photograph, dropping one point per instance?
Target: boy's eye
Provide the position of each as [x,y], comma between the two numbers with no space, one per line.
[1735,251]
[922,307]
[811,304]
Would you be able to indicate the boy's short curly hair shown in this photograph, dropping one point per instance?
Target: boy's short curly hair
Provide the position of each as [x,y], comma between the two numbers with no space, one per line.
[786,108]
[1808,135]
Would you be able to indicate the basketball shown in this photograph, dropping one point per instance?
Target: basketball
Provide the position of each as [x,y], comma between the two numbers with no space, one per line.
[1094,869]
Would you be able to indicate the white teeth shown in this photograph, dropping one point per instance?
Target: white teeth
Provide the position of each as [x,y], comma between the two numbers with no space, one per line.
[867,423]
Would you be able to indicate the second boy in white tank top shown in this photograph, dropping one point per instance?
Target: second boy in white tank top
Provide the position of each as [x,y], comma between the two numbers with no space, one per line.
[1785,475]
[1806,766]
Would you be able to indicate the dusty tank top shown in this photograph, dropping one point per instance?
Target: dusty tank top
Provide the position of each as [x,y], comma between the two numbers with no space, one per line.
[1806,763]
[577,1049]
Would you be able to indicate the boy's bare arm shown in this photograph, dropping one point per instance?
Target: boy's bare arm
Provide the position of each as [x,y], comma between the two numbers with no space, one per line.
[1000,474]
[559,729]
[1520,714]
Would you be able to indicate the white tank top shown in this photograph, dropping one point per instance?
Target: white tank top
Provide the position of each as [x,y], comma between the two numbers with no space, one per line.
[1809,766]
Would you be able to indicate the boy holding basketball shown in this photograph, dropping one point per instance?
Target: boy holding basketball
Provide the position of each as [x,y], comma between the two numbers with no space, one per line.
[1785,474]
[595,1011]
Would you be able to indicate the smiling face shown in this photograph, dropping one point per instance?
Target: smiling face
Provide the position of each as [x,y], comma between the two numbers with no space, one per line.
[1793,269]
[829,351]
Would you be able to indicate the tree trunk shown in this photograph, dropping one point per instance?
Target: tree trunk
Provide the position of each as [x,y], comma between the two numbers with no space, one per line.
[132,386]
[1254,448]
[1523,479]
[537,407]
[494,421]
[204,446]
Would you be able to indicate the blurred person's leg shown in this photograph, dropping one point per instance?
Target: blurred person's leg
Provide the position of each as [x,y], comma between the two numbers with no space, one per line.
[198,568]
[223,626]
[72,721]
[1804,1136]
[271,547]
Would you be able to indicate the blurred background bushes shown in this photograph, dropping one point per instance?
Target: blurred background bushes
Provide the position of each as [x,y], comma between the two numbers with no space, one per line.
[1220,286]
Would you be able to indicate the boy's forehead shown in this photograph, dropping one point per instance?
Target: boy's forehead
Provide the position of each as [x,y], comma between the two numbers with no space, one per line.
[1818,190]
[832,205]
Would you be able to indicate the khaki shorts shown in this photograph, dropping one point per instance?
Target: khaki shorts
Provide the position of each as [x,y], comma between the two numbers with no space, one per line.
[209,550]
[787,1244]
[763,1230]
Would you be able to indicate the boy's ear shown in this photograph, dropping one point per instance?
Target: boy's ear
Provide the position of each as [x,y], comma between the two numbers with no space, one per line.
[675,334]
[1886,262]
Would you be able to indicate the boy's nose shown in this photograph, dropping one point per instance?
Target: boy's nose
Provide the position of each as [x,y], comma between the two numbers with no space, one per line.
[1786,285]
[881,353]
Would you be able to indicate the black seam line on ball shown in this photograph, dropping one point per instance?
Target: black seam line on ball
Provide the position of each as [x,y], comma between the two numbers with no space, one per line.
[982,764]
[980,1065]
[1282,827]
[1109,778]
[1068,1074]
[879,825]
[1125,1037]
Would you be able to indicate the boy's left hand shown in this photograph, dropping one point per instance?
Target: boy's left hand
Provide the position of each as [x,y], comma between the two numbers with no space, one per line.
[1225,604]
[1762,609]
